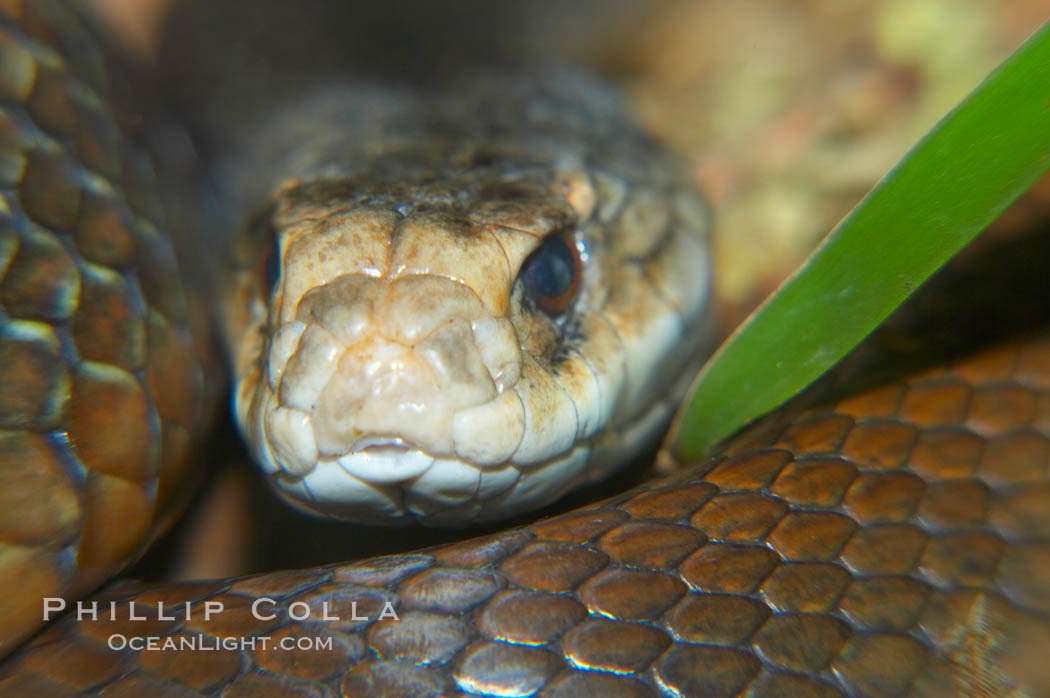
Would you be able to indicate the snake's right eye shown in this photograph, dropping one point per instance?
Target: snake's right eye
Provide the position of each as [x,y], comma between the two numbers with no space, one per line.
[271,266]
[260,245]
[551,275]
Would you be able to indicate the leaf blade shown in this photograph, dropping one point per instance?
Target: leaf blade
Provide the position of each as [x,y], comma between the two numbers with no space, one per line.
[950,186]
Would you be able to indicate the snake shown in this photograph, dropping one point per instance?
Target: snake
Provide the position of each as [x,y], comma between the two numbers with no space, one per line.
[454,305]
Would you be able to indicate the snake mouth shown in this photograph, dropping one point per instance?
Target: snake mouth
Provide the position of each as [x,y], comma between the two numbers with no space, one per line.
[394,484]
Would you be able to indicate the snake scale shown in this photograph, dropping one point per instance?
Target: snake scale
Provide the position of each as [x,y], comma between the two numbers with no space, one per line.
[888,542]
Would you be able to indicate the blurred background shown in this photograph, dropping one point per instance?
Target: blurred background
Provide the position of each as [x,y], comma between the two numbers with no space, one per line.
[787,112]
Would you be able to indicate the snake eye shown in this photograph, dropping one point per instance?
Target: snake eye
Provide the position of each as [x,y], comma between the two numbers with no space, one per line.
[551,275]
[271,266]
[261,235]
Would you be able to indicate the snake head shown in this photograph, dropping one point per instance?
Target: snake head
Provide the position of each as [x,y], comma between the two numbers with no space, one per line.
[463,333]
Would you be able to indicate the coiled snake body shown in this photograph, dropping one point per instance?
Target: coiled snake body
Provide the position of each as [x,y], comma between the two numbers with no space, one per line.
[525,281]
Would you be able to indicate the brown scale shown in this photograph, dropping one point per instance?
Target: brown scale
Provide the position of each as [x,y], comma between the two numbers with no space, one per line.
[103,393]
[894,542]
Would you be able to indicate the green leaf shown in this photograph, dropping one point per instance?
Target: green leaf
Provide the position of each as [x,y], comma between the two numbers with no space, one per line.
[954,182]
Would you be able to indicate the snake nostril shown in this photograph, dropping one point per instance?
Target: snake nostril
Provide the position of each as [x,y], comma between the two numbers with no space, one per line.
[497,344]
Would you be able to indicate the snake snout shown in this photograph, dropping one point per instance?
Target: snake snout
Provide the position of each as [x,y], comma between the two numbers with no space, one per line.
[389,383]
